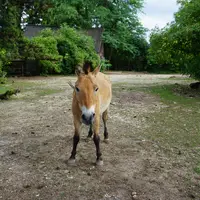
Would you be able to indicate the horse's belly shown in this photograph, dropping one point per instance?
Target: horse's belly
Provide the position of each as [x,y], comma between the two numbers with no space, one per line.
[104,106]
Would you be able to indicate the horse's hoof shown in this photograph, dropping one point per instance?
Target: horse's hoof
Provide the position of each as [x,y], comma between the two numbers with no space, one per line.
[99,162]
[71,162]
[106,141]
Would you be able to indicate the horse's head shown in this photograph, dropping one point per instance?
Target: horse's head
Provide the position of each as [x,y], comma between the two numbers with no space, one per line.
[86,92]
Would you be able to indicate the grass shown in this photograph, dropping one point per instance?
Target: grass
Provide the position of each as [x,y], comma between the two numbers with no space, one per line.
[180,94]
[175,125]
[26,87]
[178,123]
[3,88]
[174,78]
[45,92]
[197,169]
[22,85]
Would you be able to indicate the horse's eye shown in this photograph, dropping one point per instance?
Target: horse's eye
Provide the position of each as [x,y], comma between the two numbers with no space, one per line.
[96,89]
[77,89]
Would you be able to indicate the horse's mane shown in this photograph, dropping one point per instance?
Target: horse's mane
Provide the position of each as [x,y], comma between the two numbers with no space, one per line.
[87,67]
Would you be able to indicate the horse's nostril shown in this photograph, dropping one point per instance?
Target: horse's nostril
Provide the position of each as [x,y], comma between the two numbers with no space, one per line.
[88,119]
[83,116]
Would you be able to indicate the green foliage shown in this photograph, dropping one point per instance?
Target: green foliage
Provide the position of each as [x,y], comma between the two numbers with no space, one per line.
[76,13]
[50,57]
[49,67]
[8,94]
[76,48]
[60,51]
[186,31]
[122,32]
[177,45]
[10,30]
[2,76]
[160,54]
[44,49]
[36,11]
[197,169]
[3,62]
[105,64]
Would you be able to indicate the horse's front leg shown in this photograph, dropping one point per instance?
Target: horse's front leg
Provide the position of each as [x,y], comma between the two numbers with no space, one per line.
[105,118]
[96,139]
[76,138]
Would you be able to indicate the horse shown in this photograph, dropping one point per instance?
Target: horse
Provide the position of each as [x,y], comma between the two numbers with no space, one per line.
[91,99]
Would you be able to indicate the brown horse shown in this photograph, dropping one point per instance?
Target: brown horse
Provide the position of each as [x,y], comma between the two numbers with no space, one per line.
[91,98]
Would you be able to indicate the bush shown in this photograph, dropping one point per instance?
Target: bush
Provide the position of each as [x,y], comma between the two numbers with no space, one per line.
[3,62]
[44,49]
[76,48]
[49,56]
[105,64]
[60,51]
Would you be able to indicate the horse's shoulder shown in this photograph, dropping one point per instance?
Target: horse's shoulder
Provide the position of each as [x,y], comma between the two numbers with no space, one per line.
[103,77]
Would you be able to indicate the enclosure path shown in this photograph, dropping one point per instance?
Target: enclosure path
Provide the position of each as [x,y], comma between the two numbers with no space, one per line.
[36,140]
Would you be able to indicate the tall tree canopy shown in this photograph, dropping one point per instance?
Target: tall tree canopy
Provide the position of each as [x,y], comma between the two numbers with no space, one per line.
[178,44]
[123,34]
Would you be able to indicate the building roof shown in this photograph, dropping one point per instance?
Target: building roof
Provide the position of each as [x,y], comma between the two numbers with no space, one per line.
[96,33]
[33,30]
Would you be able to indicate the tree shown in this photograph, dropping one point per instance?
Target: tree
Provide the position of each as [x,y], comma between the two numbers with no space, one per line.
[179,43]
[9,23]
[161,55]
[123,34]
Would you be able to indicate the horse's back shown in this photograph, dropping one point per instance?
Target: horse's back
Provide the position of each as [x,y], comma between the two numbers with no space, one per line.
[105,90]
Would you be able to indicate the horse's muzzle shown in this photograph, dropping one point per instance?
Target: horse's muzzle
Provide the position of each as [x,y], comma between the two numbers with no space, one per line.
[87,120]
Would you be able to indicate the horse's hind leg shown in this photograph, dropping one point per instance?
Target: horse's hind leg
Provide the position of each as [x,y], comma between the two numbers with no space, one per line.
[105,118]
[90,133]
[96,140]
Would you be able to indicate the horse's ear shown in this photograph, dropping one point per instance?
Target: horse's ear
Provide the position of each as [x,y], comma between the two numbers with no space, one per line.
[96,70]
[70,83]
[79,71]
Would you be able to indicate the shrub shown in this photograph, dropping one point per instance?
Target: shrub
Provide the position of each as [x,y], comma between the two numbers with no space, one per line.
[76,48]
[105,64]
[3,62]
[60,51]
[44,49]
[49,56]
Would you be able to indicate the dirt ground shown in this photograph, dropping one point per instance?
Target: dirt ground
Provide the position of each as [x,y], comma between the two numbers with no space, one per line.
[36,140]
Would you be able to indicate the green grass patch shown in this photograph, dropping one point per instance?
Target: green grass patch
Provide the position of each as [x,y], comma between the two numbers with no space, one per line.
[21,85]
[180,94]
[28,89]
[174,78]
[45,92]
[4,88]
[174,126]
[197,169]
[178,123]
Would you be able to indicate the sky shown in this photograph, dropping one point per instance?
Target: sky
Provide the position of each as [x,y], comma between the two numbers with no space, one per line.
[158,13]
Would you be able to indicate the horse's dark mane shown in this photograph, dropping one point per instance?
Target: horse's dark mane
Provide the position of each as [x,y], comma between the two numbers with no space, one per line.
[87,67]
